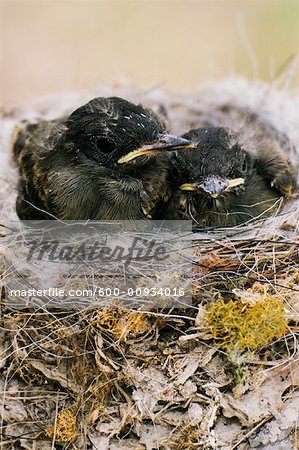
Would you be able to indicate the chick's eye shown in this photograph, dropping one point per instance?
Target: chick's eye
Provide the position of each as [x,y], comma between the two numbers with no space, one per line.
[105,146]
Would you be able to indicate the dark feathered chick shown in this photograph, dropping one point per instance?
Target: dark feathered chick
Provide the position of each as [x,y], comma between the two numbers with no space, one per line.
[220,184]
[107,160]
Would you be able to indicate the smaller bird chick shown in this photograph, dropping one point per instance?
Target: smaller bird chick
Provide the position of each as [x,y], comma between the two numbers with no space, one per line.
[220,184]
[108,160]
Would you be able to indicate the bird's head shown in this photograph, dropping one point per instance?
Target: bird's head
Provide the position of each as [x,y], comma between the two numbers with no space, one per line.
[216,168]
[116,133]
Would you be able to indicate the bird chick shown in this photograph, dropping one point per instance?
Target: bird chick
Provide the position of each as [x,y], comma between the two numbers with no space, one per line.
[220,184]
[107,160]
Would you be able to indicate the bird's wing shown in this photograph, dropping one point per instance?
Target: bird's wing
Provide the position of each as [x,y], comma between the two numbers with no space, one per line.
[274,165]
[26,145]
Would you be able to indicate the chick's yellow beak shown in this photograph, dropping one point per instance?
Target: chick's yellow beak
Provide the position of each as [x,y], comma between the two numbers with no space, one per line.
[213,186]
[189,187]
[165,143]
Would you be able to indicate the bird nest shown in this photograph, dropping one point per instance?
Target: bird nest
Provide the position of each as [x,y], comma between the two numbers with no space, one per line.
[221,373]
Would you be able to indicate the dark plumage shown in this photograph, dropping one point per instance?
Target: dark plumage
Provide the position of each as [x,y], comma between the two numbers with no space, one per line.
[107,160]
[220,184]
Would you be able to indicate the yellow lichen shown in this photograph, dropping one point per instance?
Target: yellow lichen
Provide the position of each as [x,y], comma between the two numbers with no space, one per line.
[64,428]
[122,323]
[238,326]
[188,437]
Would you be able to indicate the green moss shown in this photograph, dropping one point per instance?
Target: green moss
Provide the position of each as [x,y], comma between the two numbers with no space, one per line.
[239,326]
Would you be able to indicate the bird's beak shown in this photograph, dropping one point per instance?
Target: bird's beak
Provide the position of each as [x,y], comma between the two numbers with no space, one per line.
[213,185]
[165,143]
